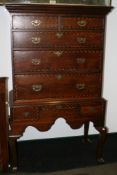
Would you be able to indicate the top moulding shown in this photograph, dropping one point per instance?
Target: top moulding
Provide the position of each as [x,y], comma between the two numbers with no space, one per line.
[68,2]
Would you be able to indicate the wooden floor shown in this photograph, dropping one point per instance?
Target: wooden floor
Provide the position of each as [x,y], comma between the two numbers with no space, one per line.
[107,169]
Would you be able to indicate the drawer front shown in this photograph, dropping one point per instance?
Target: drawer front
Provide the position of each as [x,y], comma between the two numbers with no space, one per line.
[45,113]
[91,110]
[82,22]
[53,22]
[57,60]
[50,112]
[57,86]
[72,112]
[57,39]
[25,113]
[35,22]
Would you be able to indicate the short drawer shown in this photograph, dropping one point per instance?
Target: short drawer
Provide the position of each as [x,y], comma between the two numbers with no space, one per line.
[57,86]
[57,60]
[24,113]
[35,22]
[82,22]
[62,39]
[91,110]
[50,113]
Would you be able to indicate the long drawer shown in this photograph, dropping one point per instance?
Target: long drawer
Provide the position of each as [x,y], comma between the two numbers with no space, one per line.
[57,60]
[57,86]
[52,39]
[49,112]
[40,21]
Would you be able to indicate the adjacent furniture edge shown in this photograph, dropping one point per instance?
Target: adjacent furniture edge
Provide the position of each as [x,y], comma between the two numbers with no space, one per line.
[3,124]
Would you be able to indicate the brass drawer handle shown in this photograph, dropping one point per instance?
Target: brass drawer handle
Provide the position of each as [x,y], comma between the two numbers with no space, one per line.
[36,40]
[36,23]
[37,87]
[81,60]
[36,61]
[81,40]
[80,86]
[82,23]
[58,53]
[59,35]
[58,77]
[26,114]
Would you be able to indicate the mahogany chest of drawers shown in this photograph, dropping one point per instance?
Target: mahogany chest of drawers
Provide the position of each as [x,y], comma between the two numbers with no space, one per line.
[57,63]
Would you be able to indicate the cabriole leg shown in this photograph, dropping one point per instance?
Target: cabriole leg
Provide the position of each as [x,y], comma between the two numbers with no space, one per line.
[101,142]
[13,152]
[86,130]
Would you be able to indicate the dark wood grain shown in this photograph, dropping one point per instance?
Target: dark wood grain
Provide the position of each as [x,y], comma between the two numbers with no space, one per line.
[40,22]
[26,62]
[56,39]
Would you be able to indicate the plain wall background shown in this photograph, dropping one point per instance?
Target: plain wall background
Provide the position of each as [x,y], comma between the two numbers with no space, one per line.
[60,128]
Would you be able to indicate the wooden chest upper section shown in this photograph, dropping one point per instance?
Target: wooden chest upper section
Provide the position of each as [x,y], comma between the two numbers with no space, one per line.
[57,50]
[57,26]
